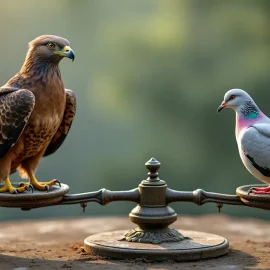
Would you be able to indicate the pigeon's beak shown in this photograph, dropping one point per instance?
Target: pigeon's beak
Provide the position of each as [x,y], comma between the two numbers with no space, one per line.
[221,107]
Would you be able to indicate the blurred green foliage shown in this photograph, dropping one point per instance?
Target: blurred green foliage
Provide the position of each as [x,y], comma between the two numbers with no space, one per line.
[148,75]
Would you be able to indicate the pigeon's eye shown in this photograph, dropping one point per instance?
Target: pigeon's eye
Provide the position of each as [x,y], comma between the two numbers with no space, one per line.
[232,97]
[51,45]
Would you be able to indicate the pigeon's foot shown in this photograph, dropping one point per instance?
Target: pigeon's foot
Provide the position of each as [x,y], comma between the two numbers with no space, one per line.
[255,190]
[9,188]
[41,185]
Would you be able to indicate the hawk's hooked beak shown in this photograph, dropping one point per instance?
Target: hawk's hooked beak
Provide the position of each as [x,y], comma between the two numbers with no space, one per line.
[66,52]
[221,107]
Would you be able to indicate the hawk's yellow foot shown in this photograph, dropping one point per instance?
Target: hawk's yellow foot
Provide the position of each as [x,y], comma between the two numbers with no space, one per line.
[41,185]
[8,187]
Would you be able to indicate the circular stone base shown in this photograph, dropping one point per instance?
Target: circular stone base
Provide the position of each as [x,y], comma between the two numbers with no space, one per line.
[28,200]
[199,246]
[254,200]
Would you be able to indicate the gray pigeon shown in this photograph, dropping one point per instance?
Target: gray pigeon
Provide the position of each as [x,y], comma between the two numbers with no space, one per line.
[252,133]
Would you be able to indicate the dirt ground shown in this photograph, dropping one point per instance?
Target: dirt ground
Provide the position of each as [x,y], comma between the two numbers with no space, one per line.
[59,244]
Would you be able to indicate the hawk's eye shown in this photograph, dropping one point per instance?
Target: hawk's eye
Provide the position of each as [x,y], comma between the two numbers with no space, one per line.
[232,97]
[51,45]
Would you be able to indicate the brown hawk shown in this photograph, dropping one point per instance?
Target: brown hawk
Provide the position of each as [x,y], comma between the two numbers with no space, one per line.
[36,112]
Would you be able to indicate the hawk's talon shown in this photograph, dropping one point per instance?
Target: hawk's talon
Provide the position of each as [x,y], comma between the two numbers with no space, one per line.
[22,184]
[8,187]
[42,185]
[29,187]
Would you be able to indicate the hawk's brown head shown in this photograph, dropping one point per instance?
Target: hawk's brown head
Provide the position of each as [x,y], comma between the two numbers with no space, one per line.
[50,47]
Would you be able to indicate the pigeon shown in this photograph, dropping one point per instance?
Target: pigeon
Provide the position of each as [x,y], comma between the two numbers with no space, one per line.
[252,132]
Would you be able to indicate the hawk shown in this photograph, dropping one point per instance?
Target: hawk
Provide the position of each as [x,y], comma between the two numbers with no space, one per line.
[36,112]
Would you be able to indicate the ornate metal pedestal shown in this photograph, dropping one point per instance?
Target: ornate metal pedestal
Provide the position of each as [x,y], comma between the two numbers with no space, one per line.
[153,238]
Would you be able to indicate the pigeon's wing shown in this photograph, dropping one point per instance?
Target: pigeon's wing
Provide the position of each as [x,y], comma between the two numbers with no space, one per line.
[64,128]
[255,144]
[16,107]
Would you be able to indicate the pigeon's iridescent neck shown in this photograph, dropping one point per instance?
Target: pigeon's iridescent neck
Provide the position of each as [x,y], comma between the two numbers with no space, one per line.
[249,110]
[247,115]
[244,120]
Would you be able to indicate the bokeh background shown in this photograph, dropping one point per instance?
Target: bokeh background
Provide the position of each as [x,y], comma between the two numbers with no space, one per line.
[148,76]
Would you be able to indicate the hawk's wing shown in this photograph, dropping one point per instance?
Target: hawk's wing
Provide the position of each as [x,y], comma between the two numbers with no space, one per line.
[16,107]
[63,130]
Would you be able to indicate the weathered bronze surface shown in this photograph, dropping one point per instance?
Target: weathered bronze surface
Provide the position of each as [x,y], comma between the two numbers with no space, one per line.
[153,192]
[196,246]
[152,216]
